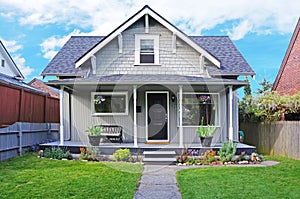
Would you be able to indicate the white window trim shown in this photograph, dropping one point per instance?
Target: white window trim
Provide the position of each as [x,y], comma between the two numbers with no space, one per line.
[200,93]
[108,93]
[138,38]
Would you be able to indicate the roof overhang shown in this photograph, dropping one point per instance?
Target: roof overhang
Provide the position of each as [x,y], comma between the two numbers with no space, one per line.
[146,10]
[148,80]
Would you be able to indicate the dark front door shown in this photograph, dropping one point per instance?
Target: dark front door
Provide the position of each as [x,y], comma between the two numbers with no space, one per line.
[157,116]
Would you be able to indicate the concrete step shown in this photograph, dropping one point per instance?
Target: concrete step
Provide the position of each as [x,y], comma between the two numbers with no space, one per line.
[159,161]
[159,157]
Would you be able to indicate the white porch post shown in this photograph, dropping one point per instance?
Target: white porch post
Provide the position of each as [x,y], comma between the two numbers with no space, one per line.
[61,115]
[134,116]
[230,114]
[180,118]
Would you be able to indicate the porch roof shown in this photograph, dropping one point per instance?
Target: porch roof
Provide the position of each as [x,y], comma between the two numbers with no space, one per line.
[148,79]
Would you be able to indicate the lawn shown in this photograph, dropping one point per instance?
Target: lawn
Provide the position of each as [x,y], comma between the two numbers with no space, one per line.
[280,181]
[31,177]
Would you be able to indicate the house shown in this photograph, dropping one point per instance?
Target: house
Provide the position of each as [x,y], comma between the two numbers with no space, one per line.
[152,79]
[43,87]
[21,102]
[287,81]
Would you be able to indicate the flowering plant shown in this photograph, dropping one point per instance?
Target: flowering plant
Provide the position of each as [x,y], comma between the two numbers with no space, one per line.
[204,98]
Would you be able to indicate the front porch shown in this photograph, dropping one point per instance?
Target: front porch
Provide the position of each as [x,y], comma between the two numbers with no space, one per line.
[109,148]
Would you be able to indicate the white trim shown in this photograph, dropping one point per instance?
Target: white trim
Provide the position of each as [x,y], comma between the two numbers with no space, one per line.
[230,114]
[146,23]
[138,38]
[180,117]
[135,116]
[109,93]
[120,43]
[168,113]
[61,115]
[162,21]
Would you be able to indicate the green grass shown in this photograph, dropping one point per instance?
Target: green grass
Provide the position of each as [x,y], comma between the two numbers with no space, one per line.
[31,177]
[280,181]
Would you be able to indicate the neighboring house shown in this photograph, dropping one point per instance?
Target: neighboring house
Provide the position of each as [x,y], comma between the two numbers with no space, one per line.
[150,78]
[287,81]
[53,92]
[21,102]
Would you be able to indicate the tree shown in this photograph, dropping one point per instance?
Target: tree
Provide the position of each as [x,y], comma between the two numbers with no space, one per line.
[265,86]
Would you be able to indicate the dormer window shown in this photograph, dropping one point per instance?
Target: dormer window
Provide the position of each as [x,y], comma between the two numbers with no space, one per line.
[146,49]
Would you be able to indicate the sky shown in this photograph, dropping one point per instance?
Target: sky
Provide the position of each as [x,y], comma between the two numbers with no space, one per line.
[34,31]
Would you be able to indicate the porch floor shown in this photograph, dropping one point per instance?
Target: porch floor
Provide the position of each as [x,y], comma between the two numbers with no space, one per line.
[109,148]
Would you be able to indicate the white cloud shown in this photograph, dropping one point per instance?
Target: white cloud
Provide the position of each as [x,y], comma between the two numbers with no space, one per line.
[13,48]
[193,16]
[21,63]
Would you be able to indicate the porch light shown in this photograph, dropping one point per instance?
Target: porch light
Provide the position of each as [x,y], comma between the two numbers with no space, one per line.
[173,98]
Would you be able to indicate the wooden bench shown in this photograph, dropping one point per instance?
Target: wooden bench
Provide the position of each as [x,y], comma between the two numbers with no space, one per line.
[112,133]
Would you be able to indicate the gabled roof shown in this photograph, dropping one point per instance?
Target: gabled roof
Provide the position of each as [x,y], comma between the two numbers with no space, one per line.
[221,47]
[146,10]
[63,63]
[11,62]
[287,55]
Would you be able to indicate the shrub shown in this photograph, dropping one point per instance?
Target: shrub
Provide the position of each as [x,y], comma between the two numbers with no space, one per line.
[90,153]
[121,154]
[57,153]
[227,151]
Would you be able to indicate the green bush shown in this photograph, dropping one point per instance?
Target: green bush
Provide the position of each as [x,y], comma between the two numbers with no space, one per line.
[57,153]
[121,154]
[227,151]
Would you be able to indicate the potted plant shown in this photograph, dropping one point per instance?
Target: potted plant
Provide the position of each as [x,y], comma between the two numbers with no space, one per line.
[206,134]
[94,133]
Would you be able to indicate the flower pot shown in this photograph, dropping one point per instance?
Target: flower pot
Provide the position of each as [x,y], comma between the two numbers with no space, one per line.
[206,141]
[94,140]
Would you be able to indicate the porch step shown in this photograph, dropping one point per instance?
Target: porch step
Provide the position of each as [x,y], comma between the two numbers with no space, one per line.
[159,157]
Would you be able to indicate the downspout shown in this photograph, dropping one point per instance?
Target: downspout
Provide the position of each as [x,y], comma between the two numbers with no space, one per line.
[61,115]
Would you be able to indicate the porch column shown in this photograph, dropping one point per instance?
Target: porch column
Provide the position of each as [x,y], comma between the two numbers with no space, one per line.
[61,115]
[230,114]
[134,116]
[180,118]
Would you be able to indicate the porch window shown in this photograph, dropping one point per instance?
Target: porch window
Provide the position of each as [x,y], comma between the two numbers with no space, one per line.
[198,107]
[109,103]
[146,49]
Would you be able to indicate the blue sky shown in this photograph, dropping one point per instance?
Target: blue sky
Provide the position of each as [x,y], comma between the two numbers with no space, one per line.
[33,31]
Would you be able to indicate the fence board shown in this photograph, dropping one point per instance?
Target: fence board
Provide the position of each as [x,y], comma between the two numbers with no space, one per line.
[18,137]
[275,138]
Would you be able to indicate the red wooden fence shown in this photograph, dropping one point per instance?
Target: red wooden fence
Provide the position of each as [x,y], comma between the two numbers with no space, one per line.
[21,105]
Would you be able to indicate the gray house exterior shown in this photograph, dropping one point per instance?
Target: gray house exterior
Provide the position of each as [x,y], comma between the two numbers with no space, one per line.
[150,78]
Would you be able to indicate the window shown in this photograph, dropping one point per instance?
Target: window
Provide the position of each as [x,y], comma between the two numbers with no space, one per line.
[110,103]
[2,62]
[146,49]
[198,107]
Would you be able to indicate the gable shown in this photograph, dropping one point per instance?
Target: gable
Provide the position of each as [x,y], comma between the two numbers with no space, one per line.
[287,80]
[7,65]
[144,14]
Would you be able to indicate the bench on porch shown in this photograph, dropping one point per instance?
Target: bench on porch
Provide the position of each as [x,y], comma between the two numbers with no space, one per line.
[112,133]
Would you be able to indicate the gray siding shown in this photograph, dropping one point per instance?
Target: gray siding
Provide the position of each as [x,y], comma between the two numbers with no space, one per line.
[184,62]
[81,116]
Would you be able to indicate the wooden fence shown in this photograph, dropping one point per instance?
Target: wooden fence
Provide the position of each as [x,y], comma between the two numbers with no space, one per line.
[275,138]
[19,137]
[21,105]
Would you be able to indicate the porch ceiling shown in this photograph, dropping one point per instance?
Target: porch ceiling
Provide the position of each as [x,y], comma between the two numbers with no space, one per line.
[148,79]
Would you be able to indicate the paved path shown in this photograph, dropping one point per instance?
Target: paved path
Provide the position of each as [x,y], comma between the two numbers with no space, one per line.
[159,181]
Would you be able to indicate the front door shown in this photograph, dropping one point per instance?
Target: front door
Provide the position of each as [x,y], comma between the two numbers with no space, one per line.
[157,116]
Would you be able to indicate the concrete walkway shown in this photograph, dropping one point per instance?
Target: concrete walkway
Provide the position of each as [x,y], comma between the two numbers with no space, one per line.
[159,181]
